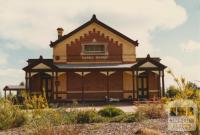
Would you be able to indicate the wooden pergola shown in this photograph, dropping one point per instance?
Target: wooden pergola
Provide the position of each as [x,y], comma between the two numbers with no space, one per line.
[10,88]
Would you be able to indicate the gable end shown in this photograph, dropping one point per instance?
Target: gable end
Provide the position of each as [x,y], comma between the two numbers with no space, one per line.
[93,20]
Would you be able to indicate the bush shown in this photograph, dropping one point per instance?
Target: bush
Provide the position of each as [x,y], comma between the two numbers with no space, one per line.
[70,117]
[118,118]
[128,118]
[152,111]
[10,115]
[35,102]
[45,118]
[89,116]
[110,111]
[48,117]
[172,91]
[139,116]
[165,100]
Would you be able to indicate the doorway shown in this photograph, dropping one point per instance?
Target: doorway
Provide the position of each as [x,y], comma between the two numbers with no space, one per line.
[46,86]
[143,91]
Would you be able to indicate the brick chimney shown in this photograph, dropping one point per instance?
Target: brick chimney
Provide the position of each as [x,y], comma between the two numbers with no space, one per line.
[60,32]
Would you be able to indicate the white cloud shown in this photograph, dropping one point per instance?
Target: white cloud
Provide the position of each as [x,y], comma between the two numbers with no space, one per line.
[190,46]
[10,76]
[33,23]
[3,58]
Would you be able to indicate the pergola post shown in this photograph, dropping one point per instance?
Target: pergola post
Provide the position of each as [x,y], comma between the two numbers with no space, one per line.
[133,81]
[82,84]
[148,73]
[5,94]
[163,83]
[107,77]
[56,85]
[52,85]
[30,85]
[66,81]
[26,78]
[137,83]
[159,89]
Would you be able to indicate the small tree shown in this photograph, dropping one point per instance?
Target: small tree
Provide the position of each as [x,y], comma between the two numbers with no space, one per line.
[172,91]
[192,85]
[187,90]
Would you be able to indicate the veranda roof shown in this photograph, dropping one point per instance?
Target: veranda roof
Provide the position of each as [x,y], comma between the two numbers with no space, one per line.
[94,66]
[14,87]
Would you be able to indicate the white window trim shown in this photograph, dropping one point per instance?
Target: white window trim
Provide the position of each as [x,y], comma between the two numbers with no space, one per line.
[97,53]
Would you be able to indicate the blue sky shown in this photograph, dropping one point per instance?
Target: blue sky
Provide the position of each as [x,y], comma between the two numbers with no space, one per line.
[169,29]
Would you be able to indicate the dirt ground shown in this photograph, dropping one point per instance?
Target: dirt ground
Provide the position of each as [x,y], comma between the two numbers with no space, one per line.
[98,129]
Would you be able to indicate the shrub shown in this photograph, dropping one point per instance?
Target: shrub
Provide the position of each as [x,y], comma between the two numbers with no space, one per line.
[70,117]
[152,111]
[10,115]
[172,91]
[45,118]
[165,100]
[118,118]
[128,118]
[134,117]
[110,111]
[139,116]
[88,116]
[84,117]
[35,102]
[48,117]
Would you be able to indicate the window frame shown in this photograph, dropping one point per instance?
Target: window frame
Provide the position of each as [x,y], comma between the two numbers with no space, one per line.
[84,52]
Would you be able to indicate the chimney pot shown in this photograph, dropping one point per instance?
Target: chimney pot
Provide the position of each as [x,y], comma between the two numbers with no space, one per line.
[60,32]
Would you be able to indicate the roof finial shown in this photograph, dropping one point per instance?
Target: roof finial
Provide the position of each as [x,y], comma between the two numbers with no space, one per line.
[40,57]
[93,17]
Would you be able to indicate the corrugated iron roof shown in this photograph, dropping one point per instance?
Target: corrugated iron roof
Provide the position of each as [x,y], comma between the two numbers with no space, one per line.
[94,66]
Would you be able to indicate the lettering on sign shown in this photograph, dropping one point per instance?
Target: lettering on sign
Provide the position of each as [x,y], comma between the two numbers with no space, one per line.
[94,57]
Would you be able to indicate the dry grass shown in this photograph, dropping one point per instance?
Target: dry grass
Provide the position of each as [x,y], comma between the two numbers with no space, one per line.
[55,130]
[147,131]
[153,111]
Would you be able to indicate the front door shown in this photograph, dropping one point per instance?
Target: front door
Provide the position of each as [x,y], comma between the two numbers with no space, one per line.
[142,87]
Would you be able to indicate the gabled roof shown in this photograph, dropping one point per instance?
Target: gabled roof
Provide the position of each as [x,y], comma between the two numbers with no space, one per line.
[154,58]
[154,61]
[93,20]
[34,62]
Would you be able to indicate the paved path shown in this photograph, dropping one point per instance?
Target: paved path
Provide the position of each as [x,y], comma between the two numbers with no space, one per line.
[125,108]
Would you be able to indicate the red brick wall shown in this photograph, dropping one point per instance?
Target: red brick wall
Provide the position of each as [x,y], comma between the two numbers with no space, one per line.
[153,84]
[73,82]
[35,83]
[75,48]
[95,81]
[116,81]
[95,85]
